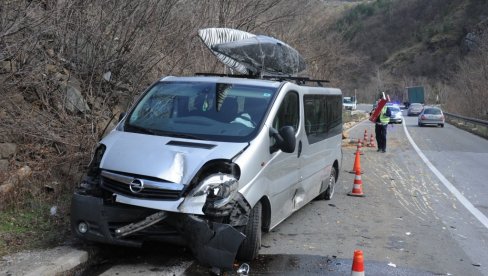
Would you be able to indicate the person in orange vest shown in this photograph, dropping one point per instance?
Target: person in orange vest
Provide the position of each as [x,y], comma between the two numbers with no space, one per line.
[381,127]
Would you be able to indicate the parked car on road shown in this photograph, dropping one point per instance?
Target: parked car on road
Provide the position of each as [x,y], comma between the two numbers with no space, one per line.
[431,116]
[349,103]
[396,114]
[415,109]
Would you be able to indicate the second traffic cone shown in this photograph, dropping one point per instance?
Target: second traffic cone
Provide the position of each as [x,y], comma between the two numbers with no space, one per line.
[371,142]
[365,138]
[357,164]
[359,147]
[357,186]
[357,264]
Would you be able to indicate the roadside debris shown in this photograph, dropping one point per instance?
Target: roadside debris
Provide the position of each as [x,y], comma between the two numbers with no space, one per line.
[53,211]
[243,270]
[134,227]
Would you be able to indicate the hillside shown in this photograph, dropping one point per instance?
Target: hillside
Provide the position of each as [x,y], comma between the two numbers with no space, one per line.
[413,42]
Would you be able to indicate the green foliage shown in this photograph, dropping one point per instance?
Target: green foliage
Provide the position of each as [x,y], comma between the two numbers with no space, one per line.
[351,23]
[32,225]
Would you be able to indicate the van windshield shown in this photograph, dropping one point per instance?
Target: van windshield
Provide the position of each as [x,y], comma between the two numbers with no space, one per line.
[201,110]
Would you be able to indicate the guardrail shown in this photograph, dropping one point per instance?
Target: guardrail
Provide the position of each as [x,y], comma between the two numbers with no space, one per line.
[475,126]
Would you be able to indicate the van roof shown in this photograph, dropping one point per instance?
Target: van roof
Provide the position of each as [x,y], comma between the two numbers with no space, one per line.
[264,80]
[217,79]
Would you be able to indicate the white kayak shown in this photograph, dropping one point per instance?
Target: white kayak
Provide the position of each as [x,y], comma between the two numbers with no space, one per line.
[252,54]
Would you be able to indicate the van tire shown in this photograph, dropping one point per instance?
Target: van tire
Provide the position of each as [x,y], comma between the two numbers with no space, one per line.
[329,192]
[249,248]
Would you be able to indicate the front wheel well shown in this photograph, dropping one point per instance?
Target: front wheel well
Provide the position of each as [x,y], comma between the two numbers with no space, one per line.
[266,214]
[336,167]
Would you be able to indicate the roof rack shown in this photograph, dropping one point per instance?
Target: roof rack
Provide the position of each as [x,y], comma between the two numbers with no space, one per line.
[297,80]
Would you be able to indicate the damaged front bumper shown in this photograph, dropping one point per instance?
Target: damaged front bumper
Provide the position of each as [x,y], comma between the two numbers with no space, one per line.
[214,242]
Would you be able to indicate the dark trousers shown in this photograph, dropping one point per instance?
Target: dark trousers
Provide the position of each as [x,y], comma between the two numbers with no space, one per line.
[380,131]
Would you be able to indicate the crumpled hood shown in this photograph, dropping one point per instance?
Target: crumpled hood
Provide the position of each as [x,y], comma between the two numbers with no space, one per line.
[172,159]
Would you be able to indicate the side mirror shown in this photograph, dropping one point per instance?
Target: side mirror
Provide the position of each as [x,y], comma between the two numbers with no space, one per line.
[121,116]
[285,139]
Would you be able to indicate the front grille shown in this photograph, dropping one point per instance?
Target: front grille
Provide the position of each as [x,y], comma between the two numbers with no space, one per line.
[147,193]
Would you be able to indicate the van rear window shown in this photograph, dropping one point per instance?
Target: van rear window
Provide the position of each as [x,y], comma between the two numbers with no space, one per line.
[323,116]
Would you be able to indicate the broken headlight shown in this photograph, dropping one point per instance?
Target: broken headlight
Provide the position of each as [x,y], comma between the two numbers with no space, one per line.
[220,188]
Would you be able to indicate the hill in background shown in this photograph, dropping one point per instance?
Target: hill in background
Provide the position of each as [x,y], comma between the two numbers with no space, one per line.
[414,42]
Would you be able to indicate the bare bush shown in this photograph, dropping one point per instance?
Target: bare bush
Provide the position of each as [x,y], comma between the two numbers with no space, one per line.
[109,51]
[467,96]
[51,45]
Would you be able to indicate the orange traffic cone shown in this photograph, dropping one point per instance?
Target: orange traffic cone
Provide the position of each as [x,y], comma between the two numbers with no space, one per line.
[357,187]
[359,147]
[365,138]
[357,164]
[358,264]
[371,142]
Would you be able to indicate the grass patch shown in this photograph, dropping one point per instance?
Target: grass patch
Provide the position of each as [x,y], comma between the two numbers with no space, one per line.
[30,225]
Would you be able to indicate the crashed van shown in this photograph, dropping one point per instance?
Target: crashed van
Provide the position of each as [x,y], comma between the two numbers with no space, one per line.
[210,162]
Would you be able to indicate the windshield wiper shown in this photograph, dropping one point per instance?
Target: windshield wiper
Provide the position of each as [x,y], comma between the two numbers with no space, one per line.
[140,129]
[182,135]
[162,133]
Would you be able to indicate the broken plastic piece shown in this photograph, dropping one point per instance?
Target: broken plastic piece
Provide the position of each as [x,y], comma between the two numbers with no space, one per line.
[213,244]
[138,226]
[54,210]
[243,270]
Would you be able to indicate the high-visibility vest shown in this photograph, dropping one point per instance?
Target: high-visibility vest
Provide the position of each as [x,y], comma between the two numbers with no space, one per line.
[383,118]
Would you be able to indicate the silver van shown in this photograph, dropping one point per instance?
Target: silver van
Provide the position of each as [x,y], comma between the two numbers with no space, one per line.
[210,162]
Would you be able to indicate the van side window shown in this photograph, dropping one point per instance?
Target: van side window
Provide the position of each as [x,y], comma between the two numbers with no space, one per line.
[323,116]
[289,112]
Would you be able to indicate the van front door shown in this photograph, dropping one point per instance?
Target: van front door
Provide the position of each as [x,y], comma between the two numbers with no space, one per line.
[283,171]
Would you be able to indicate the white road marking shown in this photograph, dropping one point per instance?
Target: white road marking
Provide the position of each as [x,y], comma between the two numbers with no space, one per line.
[469,206]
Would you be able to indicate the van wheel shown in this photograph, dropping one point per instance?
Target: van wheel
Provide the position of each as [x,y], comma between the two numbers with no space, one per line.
[249,248]
[329,193]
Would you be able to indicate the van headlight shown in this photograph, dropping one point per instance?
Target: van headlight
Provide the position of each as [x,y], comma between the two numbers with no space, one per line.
[219,188]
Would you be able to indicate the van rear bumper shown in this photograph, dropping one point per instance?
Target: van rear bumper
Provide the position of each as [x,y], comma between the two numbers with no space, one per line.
[212,243]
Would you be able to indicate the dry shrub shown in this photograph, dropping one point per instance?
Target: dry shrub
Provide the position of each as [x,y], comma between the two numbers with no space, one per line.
[467,95]
[48,43]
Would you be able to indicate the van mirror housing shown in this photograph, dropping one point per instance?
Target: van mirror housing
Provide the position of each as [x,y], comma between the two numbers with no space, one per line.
[285,139]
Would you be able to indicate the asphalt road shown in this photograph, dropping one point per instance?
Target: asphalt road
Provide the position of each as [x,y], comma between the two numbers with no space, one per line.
[409,223]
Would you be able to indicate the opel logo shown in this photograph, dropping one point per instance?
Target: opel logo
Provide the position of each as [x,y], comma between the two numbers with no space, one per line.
[136,186]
